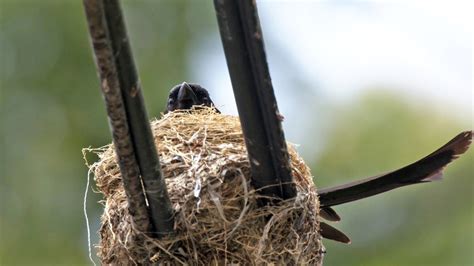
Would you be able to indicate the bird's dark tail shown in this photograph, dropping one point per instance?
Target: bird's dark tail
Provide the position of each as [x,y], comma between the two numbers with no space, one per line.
[427,169]
[332,233]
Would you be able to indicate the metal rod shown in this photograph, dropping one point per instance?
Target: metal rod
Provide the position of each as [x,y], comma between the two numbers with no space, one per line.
[242,39]
[129,122]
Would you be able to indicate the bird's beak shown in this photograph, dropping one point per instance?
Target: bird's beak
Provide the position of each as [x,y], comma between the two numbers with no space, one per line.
[186,97]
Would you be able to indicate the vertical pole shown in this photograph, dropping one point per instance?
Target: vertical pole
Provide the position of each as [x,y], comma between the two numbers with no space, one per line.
[242,39]
[133,139]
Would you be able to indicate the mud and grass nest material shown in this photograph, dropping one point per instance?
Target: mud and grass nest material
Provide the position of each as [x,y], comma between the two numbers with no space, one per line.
[217,218]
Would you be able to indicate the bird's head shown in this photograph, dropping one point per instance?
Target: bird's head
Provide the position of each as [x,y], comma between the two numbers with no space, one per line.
[186,95]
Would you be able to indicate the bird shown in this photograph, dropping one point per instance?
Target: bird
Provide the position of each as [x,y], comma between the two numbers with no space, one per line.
[425,170]
[186,95]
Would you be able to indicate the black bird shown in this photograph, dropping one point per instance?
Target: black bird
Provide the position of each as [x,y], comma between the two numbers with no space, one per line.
[184,96]
[428,169]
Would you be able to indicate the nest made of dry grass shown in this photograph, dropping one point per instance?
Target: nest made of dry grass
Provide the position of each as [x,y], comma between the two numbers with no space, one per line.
[217,219]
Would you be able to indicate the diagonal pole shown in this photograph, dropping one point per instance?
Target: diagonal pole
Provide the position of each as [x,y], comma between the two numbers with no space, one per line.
[244,49]
[131,132]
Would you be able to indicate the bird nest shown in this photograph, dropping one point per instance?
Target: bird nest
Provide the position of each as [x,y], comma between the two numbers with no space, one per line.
[218,219]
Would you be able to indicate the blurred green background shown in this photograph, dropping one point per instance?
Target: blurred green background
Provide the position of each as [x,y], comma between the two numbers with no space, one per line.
[51,108]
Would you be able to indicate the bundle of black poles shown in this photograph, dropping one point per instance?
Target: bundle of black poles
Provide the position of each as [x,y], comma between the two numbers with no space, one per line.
[244,49]
[133,140]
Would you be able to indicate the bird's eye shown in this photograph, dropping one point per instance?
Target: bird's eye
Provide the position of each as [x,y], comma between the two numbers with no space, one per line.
[170,101]
[205,99]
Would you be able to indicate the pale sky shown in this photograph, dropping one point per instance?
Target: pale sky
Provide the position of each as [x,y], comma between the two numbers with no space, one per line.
[421,48]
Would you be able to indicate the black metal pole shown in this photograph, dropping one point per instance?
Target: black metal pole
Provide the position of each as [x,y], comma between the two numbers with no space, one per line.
[242,39]
[129,122]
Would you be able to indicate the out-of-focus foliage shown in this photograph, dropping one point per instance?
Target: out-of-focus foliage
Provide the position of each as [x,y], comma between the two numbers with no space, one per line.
[51,107]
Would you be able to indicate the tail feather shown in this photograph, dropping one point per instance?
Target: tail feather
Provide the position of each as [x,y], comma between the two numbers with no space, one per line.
[427,169]
[332,233]
[329,214]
